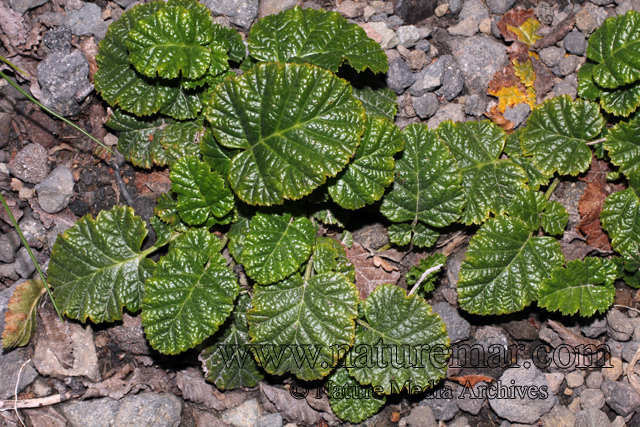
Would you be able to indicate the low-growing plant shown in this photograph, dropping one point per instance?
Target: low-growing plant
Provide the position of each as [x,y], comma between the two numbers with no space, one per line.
[264,156]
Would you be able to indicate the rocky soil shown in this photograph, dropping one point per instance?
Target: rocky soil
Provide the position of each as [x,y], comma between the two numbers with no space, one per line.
[442,56]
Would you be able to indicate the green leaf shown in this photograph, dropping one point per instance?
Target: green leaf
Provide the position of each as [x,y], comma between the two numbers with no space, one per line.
[504,267]
[557,132]
[400,329]
[615,47]
[232,42]
[180,140]
[423,236]
[364,180]
[623,145]
[587,88]
[227,362]
[139,139]
[621,101]
[330,214]
[349,400]
[167,209]
[536,177]
[304,321]
[116,79]
[400,234]
[190,294]
[217,157]
[202,194]
[417,271]
[97,267]
[318,37]
[582,287]
[347,239]
[21,316]
[172,42]
[296,124]
[620,218]
[236,235]
[427,183]
[185,105]
[554,218]
[330,256]
[381,102]
[489,182]
[276,246]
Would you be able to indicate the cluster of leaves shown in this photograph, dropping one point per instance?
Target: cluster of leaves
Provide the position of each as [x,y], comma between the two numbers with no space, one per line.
[243,148]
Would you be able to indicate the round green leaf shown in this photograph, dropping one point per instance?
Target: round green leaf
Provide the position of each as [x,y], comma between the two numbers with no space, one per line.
[504,267]
[400,234]
[623,145]
[216,156]
[615,47]
[621,101]
[402,341]
[582,287]
[171,42]
[489,182]
[202,194]
[557,132]
[587,88]
[371,171]
[528,206]
[304,322]
[183,106]
[276,246]
[620,218]
[295,124]
[554,218]
[349,400]
[228,362]
[190,294]
[139,139]
[318,37]
[97,267]
[381,102]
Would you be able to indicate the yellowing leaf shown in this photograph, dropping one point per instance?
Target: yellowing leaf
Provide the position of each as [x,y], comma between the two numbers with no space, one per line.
[526,32]
[20,318]
[509,97]
[524,70]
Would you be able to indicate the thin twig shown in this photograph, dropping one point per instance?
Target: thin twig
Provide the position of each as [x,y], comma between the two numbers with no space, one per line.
[597,141]
[123,189]
[10,405]
[552,188]
[15,401]
[627,307]
[424,276]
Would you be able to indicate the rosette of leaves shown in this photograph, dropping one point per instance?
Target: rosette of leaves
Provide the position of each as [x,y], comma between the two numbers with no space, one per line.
[293,124]
[557,134]
[504,266]
[403,329]
[349,400]
[426,192]
[227,361]
[621,101]
[159,57]
[489,182]
[317,37]
[582,287]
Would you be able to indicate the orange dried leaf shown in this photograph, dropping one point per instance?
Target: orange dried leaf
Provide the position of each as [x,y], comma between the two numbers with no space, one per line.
[472,380]
[510,97]
[20,318]
[519,24]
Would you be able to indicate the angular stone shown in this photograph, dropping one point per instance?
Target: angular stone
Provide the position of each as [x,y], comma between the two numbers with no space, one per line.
[619,325]
[31,164]
[414,11]
[559,416]
[55,192]
[479,58]
[244,415]
[467,27]
[9,244]
[421,416]
[551,56]
[86,21]
[399,76]
[408,35]
[620,397]
[575,43]
[592,398]
[429,79]
[271,7]
[21,6]
[453,112]
[592,417]
[10,364]
[23,264]
[389,37]
[457,327]
[61,76]
[500,7]
[426,105]
[240,12]
[5,128]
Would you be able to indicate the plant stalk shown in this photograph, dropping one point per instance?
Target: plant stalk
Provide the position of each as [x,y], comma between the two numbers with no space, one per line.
[33,258]
[551,188]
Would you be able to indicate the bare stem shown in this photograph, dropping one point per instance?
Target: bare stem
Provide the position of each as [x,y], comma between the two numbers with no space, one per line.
[597,141]
[424,276]
[551,188]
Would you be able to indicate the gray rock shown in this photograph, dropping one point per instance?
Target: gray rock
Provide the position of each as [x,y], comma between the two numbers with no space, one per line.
[592,398]
[149,409]
[479,58]
[517,114]
[58,40]
[474,8]
[389,37]
[568,65]
[33,231]
[55,192]
[244,415]
[21,6]
[554,380]
[271,7]
[601,2]
[585,21]
[408,35]
[594,380]
[350,9]
[623,7]
[544,13]
[399,76]
[125,3]
[86,21]
[596,328]
[467,27]
[429,79]
[421,416]
[475,105]
[240,12]
[8,271]
[414,11]
[471,399]
[559,416]
[271,420]
[423,45]
[444,406]
[23,264]
[575,43]
[10,364]
[455,6]
[393,22]
[61,76]
[499,7]
[457,327]
[523,410]
[592,417]
[551,56]
[574,379]
[31,164]
[91,413]
[453,112]
[620,397]
[629,350]
[426,105]
[619,326]
[568,86]
[9,244]
[460,422]
[5,128]
[452,80]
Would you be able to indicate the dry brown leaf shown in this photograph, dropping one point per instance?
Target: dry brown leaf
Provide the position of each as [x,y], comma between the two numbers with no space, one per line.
[518,51]
[573,250]
[294,410]
[544,78]
[58,336]
[513,20]
[379,262]
[46,417]
[572,339]
[20,316]
[12,25]
[590,204]
[193,386]
[154,182]
[472,380]
[90,50]
[115,387]
[497,118]
[368,276]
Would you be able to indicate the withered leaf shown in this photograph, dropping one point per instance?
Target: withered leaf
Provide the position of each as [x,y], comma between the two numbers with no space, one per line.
[544,78]
[472,380]
[518,51]
[368,276]
[278,400]
[58,336]
[12,25]
[20,318]
[590,204]
[194,388]
[519,25]
[574,246]
[497,118]
[46,417]
[379,262]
